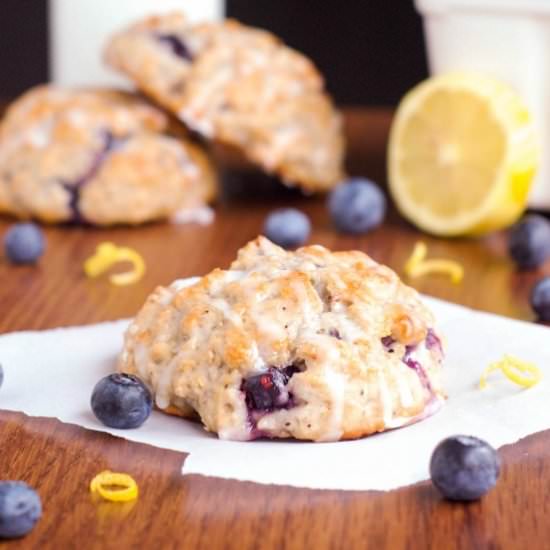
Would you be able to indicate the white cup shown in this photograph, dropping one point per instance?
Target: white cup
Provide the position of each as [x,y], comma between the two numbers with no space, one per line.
[78,30]
[506,39]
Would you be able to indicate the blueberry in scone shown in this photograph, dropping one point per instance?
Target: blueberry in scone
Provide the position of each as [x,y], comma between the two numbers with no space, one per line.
[240,86]
[311,344]
[96,156]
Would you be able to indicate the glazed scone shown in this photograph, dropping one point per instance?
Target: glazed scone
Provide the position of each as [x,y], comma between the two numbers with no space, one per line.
[101,157]
[239,86]
[311,345]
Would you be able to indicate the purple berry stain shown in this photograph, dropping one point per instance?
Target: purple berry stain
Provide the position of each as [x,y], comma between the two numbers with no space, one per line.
[388,342]
[176,45]
[432,342]
[74,188]
[417,367]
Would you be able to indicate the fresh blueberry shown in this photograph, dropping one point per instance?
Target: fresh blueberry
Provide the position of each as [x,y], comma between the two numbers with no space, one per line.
[20,509]
[24,243]
[529,242]
[267,391]
[1,375]
[357,206]
[176,45]
[540,299]
[464,467]
[121,401]
[287,227]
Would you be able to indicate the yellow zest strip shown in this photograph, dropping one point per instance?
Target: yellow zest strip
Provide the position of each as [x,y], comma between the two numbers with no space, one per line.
[108,254]
[517,371]
[417,265]
[114,487]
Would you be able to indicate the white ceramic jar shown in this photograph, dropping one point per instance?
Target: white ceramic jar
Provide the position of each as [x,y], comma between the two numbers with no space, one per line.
[506,39]
[78,30]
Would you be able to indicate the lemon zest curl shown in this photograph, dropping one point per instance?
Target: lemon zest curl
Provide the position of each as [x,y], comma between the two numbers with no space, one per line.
[106,255]
[517,371]
[417,265]
[114,486]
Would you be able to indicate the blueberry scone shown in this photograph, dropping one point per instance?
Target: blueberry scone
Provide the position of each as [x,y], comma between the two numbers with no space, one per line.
[309,344]
[101,157]
[240,86]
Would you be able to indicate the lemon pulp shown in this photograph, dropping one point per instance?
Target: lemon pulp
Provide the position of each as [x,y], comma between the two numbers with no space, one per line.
[462,155]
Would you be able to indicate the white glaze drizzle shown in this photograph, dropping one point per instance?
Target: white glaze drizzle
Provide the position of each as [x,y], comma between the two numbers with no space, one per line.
[405,394]
[164,383]
[385,399]
[336,384]
[141,358]
[227,311]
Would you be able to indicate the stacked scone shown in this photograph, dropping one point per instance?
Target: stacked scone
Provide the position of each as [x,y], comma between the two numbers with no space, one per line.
[309,344]
[100,157]
[105,157]
[240,86]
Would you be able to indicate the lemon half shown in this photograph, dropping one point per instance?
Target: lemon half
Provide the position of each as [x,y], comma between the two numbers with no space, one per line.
[462,155]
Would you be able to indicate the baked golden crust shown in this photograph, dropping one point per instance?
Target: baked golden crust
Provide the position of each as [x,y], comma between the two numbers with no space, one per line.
[240,86]
[98,156]
[324,329]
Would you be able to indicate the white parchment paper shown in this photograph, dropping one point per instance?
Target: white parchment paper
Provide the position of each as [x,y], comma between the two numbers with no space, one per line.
[52,373]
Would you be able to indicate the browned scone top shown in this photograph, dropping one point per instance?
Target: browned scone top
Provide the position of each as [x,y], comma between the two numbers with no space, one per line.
[240,86]
[309,344]
[98,156]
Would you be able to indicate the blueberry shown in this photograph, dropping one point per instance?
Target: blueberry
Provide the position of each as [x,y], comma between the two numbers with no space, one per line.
[540,299]
[24,243]
[529,242]
[267,391]
[287,227]
[176,45]
[121,401]
[1,375]
[464,467]
[357,206]
[20,509]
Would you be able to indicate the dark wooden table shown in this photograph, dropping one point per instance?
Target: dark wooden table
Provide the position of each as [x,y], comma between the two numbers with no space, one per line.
[198,512]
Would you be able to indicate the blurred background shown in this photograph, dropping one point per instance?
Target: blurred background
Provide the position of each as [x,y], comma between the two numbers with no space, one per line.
[371,53]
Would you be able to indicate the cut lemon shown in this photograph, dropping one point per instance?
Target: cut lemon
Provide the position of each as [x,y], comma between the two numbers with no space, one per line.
[462,155]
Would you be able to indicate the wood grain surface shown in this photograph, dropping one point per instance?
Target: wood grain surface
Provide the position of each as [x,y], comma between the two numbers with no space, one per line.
[197,512]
